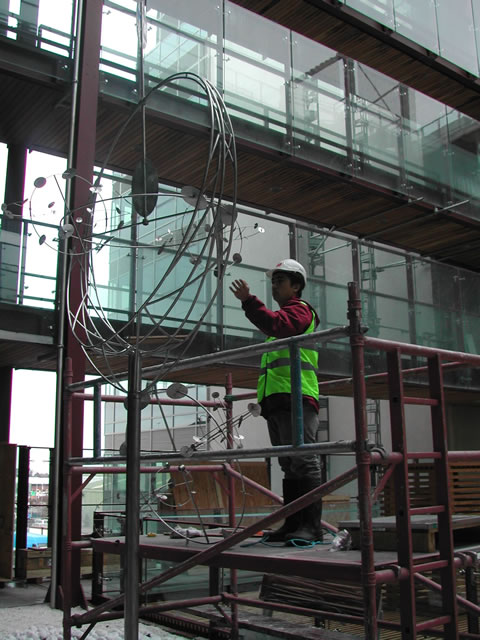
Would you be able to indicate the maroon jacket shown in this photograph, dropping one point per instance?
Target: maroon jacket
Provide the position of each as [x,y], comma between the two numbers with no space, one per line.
[290,320]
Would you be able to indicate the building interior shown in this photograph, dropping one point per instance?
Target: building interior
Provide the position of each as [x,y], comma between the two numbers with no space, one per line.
[157,150]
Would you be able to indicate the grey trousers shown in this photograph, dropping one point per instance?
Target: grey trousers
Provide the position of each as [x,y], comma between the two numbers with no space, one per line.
[280,430]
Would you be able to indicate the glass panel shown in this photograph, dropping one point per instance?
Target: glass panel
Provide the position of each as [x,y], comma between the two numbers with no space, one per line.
[476,22]
[418,22]
[330,301]
[318,94]
[40,24]
[422,281]
[425,146]
[469,287]
[386,318]
[435,327]
[177,296]
[119,57]
[463,136]
[326,258]
[184,37]
[377,127]
[257,74]
[471,333]
[383,271]
[262,243]
[456,33]
[379,10]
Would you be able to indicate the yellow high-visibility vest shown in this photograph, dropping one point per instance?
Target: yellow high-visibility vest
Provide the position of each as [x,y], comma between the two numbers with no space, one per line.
[275,376]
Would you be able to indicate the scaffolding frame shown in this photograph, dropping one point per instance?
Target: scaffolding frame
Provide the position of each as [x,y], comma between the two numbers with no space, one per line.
[405,570]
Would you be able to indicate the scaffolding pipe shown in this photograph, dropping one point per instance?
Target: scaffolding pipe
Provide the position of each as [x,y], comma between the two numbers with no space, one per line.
[233,354]
[215,550]
[431,584]
[363,459]
[327,384]
[340,446]
[426,352]
[215,404]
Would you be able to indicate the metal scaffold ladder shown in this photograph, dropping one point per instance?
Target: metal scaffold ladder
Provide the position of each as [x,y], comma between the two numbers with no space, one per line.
[443,562]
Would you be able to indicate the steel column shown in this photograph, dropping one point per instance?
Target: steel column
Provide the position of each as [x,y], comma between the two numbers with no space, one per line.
[132,560]
[22,503]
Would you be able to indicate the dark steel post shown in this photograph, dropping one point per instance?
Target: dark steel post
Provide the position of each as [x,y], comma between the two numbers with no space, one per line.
[22,503]
[66,564]
[5,401]
[81,157]
[362,459]
[97,421]
[133,497]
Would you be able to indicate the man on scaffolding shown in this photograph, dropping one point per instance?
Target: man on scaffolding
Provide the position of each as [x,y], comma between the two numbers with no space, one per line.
[295,317]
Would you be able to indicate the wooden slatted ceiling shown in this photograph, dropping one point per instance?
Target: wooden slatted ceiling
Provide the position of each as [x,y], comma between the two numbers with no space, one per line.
[38,115]
[362,39]
[289,186]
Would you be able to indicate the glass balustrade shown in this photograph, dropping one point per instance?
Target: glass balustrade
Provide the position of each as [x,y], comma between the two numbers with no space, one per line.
[288,93]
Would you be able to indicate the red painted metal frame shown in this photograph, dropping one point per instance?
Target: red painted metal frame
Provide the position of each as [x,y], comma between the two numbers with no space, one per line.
[407,569]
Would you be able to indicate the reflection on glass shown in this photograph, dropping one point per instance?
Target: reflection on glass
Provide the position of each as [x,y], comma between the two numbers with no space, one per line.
[418,22]
[471,333]
[463,160]
[425,145]
[383,271]
[257,71]
[377,126]
[330,301]
[387,318]
[456,33]
[318,97]
[435,328]
[328,258]
[184,37]
[379,10]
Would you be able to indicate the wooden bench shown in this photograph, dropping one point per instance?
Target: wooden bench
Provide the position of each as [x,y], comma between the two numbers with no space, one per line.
[464,487]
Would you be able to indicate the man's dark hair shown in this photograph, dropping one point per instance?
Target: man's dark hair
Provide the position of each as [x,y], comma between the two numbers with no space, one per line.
[296,279]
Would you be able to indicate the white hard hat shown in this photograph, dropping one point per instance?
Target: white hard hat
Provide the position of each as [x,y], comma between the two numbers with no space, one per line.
[289,265]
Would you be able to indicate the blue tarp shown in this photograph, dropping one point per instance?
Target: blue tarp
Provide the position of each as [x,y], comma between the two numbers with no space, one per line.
[33,539]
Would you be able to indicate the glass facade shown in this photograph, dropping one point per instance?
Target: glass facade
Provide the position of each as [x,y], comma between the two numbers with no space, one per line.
[449,29]
[285,92]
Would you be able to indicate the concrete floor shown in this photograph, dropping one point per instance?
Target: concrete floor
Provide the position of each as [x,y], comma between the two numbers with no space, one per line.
[22,593]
